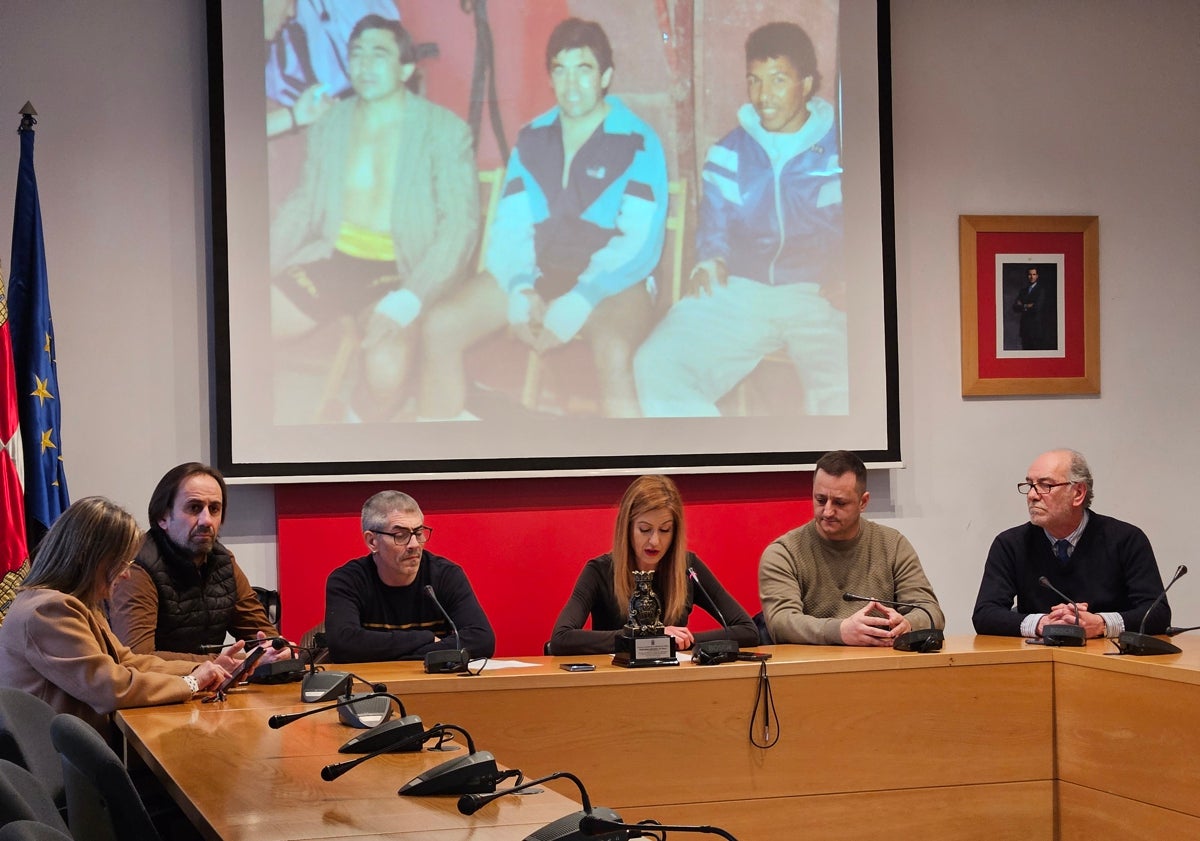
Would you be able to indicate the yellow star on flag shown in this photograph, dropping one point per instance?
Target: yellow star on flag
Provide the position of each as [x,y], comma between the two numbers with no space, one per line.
[40,392]
[47,444]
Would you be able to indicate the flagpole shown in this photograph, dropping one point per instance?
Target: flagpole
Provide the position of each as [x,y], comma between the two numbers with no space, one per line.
[35,369]
[28,117]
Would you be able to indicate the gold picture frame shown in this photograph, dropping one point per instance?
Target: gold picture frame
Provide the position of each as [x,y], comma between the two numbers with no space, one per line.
[1030,302]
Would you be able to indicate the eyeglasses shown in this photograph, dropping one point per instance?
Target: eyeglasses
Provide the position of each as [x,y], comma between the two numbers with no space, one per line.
[1042,488]
[401,536]
[123,568]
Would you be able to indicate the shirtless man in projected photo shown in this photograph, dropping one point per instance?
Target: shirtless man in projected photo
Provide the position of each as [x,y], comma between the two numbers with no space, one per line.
[768,248]
[384,220]
[578,230]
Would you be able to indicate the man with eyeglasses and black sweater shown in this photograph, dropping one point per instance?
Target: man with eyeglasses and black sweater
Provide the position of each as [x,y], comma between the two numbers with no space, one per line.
[377,607]
[1106,564]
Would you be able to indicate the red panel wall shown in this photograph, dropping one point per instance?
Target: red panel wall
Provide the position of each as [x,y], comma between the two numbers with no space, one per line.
[523,541]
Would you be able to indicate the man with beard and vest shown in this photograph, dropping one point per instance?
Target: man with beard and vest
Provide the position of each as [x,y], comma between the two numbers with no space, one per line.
[185,591]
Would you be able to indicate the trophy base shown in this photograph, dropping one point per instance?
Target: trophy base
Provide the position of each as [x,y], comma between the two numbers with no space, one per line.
[642,652]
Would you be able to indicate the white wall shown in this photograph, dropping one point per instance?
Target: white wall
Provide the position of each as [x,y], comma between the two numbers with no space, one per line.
[1025,106]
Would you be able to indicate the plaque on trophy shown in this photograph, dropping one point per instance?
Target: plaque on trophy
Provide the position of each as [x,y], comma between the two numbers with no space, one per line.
[642,641]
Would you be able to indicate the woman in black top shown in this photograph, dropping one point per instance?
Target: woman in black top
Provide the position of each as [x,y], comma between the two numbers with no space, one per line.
[649,535]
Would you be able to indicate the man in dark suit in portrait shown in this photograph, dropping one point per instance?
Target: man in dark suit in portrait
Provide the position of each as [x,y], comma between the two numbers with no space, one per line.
[1035,303]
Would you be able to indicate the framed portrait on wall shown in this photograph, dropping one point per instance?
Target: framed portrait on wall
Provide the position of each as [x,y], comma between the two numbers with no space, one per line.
[1030,305]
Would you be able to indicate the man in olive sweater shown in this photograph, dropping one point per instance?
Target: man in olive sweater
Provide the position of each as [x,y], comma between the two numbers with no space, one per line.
[803,574]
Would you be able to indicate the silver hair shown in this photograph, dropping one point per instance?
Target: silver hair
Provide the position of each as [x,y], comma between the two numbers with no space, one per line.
[375,510]
[1078,471]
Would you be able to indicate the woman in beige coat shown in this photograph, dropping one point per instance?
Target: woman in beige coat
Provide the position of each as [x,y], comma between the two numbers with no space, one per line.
[55,642]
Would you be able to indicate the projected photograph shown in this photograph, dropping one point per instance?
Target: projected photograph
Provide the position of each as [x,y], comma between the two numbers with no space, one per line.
[609,230]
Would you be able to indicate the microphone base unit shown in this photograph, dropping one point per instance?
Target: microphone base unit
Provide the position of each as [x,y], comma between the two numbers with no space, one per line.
[924,641]
[1144,645]
[475,773]
[400,731]
[1064,636]
[712,652]
[367,713]
[447,662]
[324,686]
[567,828]
[281,671]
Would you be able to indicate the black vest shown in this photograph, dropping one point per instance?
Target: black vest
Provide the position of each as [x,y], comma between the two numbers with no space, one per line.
[195,604]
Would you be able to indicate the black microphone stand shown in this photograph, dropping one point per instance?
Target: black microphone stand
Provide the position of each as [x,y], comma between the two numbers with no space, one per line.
[712,652]
[1172,631]
[592,826]
[446,661]
[924,641]
[1068,636]
[565,828]
[1141,644]
[471,774]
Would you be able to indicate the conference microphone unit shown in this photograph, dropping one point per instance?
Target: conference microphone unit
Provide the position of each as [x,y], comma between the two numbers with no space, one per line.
[381,736]
[924,641]
[1139,643]
[474,773]
[565,828]
[712,652]
[594,826]
[328,685]
[446,662]
[1069,636]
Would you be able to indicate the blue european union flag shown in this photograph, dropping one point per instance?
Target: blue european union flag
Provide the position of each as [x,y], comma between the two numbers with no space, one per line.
[36,373]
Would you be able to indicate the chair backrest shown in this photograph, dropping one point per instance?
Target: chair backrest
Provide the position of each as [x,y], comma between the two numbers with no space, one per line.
[22,798]
[314,641]
[271,604]
[490,180]
[102,804]
[32,831]
[9,583]
[25,740]
[677,198]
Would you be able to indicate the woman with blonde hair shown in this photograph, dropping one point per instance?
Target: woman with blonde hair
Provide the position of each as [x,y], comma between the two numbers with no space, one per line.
[56,643]
[649,535]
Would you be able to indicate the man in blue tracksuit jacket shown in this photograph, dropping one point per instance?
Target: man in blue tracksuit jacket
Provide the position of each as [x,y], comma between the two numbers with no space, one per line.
[768,248]
[577,233]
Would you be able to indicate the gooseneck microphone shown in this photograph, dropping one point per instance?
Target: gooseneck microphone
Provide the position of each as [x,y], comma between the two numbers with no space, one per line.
[284,719]
[446,661]
[592,826]
[924,641]
[277,643]
[1141,644]
[382,735]
[1172,630]
[1071,636]
[712,652]
[471,774]
[565,828]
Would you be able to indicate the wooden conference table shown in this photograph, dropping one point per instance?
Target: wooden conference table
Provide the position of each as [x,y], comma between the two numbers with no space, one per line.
[989,738]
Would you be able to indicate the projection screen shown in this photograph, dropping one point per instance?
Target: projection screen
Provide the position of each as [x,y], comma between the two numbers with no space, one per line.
[441,249]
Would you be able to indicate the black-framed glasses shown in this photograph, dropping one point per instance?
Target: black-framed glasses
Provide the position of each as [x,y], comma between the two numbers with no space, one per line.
[1042,488]
[401,536]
